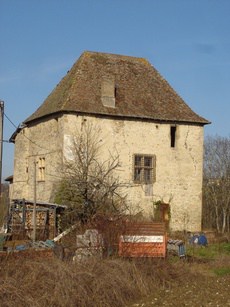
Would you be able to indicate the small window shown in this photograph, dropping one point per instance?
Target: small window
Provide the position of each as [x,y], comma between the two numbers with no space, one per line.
[173,136]
[115,91]
[41,169]
[144,169]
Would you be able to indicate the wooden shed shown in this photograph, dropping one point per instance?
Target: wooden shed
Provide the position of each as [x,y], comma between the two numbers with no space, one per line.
[20,221]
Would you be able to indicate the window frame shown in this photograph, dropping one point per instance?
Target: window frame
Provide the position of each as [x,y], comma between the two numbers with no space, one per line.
[143,171]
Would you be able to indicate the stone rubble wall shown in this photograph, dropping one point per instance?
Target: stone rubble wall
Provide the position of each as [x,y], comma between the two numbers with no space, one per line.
[178,169]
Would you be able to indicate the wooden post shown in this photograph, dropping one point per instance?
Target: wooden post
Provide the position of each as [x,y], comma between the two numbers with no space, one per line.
[35,202]
[55,222]
[24,216]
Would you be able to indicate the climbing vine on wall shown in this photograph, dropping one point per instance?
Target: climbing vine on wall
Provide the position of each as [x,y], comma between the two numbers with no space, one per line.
[161,211]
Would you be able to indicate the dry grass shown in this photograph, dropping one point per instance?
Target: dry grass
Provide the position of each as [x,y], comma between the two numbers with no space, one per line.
[27,281]
[3,208]
[110,282]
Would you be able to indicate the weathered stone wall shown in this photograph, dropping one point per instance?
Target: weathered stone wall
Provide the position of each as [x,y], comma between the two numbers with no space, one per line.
[19,188]
[178,169]
[39,141]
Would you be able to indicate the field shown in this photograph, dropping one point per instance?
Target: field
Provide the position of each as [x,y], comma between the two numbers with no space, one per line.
[202,279]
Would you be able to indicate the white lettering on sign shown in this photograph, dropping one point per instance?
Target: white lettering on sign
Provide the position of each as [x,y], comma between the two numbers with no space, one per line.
[142,239]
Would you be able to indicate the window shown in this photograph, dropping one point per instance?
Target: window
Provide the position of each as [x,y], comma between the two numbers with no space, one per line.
[173,136]
[144,169]
[41,169]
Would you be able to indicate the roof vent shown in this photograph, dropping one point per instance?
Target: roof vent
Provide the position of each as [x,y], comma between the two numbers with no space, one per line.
[108,92]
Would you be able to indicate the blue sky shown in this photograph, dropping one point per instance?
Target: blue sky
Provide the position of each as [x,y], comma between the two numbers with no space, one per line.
[187,41]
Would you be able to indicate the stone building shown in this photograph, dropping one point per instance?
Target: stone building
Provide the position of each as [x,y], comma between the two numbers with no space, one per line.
[158,137]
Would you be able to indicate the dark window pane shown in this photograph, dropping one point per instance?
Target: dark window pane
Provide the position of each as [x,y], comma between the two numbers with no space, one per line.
[148,161]
[137,174]
[173,136]
[137,160]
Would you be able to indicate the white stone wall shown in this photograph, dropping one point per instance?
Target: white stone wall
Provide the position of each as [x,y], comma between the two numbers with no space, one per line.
[178,169]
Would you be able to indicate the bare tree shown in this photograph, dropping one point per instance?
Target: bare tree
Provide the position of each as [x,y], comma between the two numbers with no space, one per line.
[217,182]
[90,186]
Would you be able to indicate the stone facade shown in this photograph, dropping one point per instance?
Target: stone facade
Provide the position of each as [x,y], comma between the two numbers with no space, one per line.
[178,169]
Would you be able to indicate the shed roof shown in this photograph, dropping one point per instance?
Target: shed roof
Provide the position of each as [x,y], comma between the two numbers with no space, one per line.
[38,203]
[141,92]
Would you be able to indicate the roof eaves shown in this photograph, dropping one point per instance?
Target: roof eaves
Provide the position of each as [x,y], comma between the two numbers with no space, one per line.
[201,121]
[13,136]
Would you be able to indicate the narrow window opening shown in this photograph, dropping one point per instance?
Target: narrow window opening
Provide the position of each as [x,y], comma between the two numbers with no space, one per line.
[173,136]
[115,91]
[41,169]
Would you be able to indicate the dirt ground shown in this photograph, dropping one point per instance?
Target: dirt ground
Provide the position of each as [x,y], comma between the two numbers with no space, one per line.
[199,293]
[202,288]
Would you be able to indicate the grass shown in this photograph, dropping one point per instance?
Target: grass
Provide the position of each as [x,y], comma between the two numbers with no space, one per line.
[218,254]
[222,271]
[108,282]
[210,252]
[3,209]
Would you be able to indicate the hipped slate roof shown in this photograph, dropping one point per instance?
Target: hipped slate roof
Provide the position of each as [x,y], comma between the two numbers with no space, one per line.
[141,92]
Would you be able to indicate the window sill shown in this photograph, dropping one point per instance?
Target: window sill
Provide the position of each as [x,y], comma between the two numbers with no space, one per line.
[142,183]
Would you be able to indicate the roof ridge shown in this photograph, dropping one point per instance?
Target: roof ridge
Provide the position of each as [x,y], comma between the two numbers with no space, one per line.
[140,59]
